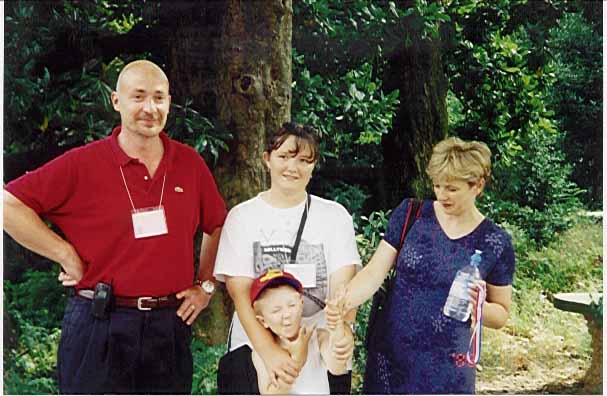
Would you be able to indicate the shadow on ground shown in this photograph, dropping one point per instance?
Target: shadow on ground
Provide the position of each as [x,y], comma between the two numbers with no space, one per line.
[555,388]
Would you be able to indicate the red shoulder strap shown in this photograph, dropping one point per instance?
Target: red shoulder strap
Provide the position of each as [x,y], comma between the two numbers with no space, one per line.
[414,205]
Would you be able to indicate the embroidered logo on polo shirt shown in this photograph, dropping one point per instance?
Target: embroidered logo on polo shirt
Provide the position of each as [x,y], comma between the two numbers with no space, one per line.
[178,189]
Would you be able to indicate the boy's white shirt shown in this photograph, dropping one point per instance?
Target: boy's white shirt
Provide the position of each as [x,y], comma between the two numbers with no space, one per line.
[309,382]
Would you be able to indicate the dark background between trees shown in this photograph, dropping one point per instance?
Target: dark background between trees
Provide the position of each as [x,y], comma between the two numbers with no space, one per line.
[382,81]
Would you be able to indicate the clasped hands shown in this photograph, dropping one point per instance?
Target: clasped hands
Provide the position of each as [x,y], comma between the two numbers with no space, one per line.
[336,310]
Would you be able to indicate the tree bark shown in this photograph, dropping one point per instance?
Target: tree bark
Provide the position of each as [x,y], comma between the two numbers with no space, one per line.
[253,90]
[421,121]
[233,59]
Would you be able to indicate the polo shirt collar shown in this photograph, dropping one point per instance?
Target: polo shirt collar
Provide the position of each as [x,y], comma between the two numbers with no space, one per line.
[122,158]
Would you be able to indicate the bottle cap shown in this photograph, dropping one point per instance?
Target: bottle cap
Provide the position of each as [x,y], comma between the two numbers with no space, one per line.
[476,257]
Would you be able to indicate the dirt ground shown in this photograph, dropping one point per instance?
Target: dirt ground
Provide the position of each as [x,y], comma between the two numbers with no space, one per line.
[549,354]
[566,380]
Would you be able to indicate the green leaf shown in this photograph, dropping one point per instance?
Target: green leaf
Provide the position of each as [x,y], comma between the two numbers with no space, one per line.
[511,69]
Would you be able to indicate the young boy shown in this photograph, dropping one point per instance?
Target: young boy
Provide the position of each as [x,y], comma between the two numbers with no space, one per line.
[278,304]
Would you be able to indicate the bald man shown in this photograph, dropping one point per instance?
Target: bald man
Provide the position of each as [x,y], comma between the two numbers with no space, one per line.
[128,206]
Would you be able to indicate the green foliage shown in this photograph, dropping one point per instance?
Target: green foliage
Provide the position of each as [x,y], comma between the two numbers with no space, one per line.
[500,96]
[351,197]
[35,307]
[339,36]
[45,109]
[349,111]
[30,368]
[533,190]
[370,234]
[432,14]
[187,125]
[39,298]
[206,359]
[360,351]
[74,107]
[570,263]
[577,99]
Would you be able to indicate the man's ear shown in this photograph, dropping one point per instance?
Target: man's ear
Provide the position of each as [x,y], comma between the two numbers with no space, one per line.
[262,321]
[115,100]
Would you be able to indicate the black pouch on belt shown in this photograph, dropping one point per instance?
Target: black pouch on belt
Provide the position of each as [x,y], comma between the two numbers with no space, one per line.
[102,301]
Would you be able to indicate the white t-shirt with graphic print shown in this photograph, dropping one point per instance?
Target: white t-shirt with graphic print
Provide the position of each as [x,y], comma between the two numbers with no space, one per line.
[257,236]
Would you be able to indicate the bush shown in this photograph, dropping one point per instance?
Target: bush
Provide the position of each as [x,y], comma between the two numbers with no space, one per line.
[35,309]
[39,298]
[352,197]
[572,262]
[577,98]
[206,360]
[533,190]
[30,367]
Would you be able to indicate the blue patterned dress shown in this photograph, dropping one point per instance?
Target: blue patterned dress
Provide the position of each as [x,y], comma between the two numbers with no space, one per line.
[419,342]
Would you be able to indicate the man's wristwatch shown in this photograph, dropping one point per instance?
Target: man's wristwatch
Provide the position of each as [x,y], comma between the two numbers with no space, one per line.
[207,286]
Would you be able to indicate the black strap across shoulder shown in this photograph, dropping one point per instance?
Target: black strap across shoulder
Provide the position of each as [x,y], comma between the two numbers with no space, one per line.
[293,259]
[415,206]
[302,223]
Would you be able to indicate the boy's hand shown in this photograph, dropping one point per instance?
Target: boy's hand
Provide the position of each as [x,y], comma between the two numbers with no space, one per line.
[281,368]
[298,348]
[343,348]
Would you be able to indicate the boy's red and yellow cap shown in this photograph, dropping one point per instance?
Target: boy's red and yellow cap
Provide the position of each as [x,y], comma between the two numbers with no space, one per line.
[273,277]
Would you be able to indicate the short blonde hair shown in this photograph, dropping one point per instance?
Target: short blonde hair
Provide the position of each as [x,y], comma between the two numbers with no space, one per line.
[454,158]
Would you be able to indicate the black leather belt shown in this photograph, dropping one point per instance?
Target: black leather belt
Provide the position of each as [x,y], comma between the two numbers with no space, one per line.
[141,303]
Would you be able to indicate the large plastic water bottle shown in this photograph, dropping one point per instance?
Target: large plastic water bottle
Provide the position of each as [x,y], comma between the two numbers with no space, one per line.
[458,305]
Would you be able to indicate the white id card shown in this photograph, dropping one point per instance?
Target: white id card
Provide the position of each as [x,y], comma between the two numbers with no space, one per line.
[149,222]
[305,273]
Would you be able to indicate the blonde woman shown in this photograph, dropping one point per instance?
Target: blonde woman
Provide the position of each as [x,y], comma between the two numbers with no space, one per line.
[420,344]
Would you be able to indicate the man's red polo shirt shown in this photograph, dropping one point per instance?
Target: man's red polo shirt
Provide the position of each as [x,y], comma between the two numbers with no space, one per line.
[83,193]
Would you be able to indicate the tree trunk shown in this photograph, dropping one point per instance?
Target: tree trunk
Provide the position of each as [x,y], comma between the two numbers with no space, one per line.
[416,70]
[233,59]
[253,90]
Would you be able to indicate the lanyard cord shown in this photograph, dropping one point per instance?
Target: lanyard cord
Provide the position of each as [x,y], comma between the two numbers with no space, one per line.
[129,193]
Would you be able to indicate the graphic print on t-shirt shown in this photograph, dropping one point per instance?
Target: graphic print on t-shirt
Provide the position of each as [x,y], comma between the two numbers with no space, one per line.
[275,256]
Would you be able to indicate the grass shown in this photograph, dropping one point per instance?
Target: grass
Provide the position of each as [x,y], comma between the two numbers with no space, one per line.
[536,348]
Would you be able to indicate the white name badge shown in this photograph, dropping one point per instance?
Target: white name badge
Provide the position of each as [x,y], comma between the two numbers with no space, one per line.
[149,222]
[305,273]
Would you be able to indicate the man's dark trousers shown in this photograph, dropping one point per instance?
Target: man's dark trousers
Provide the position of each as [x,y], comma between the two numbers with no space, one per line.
[132,352]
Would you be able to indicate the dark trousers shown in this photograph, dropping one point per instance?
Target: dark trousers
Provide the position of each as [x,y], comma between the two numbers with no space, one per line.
[132,352]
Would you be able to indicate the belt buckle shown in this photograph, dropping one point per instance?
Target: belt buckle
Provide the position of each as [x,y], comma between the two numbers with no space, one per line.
[140,300]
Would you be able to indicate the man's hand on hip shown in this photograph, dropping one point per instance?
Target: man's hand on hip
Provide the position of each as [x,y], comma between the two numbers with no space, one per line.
[72,267]
[194,301]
